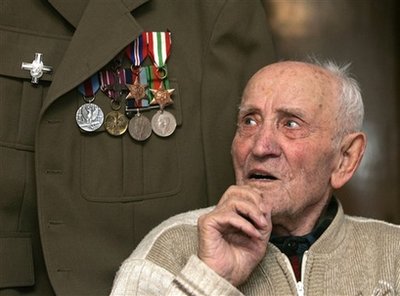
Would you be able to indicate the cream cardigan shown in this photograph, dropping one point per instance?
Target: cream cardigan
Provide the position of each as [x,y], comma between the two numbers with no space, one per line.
[354,256]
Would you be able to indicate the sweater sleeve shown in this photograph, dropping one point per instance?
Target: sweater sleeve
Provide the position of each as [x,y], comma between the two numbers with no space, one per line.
[142,277]
[165,264]
[397,292]
[196,278]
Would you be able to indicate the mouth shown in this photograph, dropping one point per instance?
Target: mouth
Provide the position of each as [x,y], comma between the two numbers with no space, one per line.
[261,176]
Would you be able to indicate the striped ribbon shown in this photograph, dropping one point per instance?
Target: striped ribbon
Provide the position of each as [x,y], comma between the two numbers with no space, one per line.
[113,82]
[137,50]
[90,86]
[159,47]
[154,81]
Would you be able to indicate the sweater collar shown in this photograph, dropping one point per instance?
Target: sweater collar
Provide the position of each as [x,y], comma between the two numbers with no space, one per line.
[297,245]
[334,235]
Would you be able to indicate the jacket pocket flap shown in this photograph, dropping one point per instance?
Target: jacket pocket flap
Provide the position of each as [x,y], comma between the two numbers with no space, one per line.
[18,46]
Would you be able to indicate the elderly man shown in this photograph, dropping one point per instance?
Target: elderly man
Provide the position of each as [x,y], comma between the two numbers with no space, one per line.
[278,231]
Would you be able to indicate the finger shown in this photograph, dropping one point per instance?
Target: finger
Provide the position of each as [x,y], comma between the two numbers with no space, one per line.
[251,213]
[241,192]
[229,221]
[238,225]
[248,206]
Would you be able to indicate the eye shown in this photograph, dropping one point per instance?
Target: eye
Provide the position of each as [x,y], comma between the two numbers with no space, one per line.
[294,128]
[249,121]
[292,124]
[247,124]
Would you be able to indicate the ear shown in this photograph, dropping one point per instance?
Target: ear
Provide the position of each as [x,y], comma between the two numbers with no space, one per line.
[351,152]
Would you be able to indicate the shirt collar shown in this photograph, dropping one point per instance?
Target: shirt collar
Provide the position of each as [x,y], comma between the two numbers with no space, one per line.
[297,245]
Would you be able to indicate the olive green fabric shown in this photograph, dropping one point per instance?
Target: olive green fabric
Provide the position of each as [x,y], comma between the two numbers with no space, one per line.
[74,205]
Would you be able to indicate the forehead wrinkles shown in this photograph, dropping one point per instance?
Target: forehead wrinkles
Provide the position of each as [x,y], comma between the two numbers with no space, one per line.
[293,79]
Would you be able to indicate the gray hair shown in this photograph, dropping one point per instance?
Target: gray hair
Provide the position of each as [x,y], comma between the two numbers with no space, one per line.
[351,108]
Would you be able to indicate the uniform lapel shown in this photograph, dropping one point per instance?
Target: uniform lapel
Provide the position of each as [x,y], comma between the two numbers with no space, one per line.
[103,30]
[71,10]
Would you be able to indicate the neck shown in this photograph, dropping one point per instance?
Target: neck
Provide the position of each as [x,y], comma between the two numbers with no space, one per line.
[298,224]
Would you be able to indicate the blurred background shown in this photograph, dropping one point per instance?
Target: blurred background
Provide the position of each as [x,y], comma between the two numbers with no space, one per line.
[365,33]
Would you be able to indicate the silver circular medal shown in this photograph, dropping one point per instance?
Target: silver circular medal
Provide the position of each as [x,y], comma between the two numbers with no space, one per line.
[89,117]
[139,127]
[163,123]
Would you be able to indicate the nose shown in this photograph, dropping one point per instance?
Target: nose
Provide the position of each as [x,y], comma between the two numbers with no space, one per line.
[266,142]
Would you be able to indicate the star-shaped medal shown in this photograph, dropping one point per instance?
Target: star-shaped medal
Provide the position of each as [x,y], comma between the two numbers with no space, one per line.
[137,91]
[162,97]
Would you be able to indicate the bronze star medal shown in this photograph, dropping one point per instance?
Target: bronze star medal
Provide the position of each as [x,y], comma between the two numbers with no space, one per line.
[162,97]
[137,91]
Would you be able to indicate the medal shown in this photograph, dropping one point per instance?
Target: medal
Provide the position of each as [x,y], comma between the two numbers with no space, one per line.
[136,53]
[159,50]
[140,127]
[36,68]
[89,116]
[137,91]
[162,97]
[148,88]
[138,96]
[116,123]
[112,84]
[163,123]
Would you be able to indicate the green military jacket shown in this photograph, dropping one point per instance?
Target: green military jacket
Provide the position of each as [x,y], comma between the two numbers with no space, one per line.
[74,204]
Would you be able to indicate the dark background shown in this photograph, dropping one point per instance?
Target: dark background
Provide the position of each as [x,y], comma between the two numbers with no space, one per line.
[365,33]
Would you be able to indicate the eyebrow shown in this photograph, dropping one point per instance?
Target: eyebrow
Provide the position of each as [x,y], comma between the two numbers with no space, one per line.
[292,111]
[286,111]
[247,109]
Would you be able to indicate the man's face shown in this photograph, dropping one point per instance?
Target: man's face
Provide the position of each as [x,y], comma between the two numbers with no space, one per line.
[284,143]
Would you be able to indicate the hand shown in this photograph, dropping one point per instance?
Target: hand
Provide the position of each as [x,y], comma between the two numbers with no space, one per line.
[233,237]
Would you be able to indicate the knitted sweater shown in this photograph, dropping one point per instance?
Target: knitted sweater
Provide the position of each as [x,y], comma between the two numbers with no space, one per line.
[354,256]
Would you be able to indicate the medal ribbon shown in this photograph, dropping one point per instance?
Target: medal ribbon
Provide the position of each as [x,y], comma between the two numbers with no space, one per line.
[154,81]
[156,45]
[137,50]
[159,47]
[144,80]
[90,86]
[109,79]
[159,51]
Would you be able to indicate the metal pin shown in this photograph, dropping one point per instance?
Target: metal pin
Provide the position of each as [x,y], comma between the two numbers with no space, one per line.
[36,68]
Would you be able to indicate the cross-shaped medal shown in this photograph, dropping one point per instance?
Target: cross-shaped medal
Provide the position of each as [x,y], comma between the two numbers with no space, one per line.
[36,68]
[115,89]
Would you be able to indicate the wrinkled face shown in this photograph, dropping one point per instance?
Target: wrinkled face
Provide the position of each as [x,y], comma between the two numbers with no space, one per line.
[284,140]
